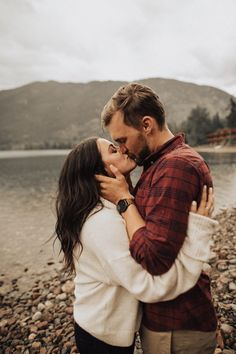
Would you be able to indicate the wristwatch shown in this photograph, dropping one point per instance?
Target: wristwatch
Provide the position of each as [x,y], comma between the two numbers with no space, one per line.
[123,204]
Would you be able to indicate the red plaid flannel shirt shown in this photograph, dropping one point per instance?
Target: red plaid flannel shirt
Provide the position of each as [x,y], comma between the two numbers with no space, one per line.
[172,178]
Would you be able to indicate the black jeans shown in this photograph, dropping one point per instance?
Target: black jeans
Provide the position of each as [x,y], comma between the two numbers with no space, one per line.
[87,344]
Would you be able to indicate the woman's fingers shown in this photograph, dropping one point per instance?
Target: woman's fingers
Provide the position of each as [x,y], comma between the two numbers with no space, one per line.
[210,201]
[206,205]
[203,201]
[193,208]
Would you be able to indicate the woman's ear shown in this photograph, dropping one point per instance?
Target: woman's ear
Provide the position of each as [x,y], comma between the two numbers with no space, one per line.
[147,124]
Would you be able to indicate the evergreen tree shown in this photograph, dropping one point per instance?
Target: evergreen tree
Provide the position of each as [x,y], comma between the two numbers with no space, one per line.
[197,126]
[231,117]
[216,123]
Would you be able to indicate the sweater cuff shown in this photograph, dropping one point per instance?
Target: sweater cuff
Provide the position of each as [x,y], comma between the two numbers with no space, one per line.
[199,232]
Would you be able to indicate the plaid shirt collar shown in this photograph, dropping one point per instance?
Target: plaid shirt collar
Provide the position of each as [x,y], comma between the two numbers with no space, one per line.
[170,145]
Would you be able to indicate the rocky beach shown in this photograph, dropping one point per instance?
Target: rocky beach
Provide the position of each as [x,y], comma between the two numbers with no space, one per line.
[40,319]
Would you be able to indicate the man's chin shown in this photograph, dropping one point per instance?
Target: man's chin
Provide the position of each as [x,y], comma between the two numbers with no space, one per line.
[138,162]
[142,156]
[135,160]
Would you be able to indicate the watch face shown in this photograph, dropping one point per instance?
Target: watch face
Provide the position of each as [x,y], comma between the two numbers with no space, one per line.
[122,205]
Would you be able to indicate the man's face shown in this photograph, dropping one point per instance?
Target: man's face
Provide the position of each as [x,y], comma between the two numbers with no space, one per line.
[131,140]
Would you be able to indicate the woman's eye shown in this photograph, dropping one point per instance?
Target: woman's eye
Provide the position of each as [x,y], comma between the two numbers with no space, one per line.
[113,149]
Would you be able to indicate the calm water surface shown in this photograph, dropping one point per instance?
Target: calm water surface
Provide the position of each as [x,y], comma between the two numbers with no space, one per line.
[27,196]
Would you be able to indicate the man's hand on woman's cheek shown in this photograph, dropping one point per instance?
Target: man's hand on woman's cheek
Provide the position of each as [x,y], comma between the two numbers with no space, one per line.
[114,189]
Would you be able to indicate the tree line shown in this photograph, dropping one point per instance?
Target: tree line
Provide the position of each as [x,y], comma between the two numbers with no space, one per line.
[199,124]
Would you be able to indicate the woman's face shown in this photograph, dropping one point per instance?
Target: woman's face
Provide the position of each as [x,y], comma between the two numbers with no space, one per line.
[111,155]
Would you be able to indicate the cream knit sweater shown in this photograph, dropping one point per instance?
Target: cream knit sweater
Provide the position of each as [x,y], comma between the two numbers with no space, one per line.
[109,284]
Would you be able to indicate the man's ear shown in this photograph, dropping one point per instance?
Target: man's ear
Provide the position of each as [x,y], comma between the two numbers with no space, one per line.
[147,124]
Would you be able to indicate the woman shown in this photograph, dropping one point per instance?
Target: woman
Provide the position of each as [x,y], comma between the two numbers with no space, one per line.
[109,284]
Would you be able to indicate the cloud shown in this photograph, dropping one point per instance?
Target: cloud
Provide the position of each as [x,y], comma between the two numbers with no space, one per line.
[81,41]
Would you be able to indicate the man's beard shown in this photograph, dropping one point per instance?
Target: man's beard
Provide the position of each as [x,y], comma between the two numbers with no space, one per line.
[144,153]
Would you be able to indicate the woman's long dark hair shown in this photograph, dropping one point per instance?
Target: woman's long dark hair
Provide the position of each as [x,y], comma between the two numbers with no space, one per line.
[78,194]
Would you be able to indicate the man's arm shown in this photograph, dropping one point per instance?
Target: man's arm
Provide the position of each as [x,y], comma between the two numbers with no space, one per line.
[156,245]
[157,240]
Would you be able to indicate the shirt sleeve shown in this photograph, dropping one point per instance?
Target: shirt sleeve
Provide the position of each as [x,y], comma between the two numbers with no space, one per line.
[110,246]
[157,245]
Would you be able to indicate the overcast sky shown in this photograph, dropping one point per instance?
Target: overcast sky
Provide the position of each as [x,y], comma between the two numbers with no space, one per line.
[84,40]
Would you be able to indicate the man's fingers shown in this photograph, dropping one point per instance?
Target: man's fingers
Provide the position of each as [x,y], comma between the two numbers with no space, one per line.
[116,172]
[102,178]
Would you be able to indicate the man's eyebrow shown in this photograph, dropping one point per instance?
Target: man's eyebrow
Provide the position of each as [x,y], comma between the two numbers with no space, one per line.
[119,140]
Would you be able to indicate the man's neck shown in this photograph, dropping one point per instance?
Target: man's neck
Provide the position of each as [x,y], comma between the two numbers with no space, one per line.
[159,139]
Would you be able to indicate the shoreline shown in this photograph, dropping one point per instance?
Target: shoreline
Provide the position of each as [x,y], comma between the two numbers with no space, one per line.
[40,319]
[5,154]
[216,149]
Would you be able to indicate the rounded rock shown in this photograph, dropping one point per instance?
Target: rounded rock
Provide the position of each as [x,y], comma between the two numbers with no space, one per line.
[48,304]
[36,345]
[61,297]
[68,287]
[37,316]
[232,286]
[227,329]
[32,336]
[41,306]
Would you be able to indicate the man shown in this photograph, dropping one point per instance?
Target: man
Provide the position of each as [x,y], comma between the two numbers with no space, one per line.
[173,176]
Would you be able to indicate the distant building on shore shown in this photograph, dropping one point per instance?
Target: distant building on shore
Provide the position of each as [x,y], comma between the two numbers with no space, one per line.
[225,136]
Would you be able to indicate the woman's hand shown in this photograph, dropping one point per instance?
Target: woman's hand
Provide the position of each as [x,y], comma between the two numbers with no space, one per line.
[206,205]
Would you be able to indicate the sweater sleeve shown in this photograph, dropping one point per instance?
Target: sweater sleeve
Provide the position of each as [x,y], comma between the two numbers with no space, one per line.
[111,247]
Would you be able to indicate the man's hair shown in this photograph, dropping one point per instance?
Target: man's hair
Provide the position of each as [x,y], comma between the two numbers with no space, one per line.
[135,101]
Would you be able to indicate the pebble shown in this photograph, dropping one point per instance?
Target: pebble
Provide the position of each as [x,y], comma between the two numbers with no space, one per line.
[227,328]
[43,321]
[218,351]
[68,287]
[36,345]
[41,306]
[37,316]
[33,329]
[43,351]
[61,297]
[32,336]
[232,286]
[48,304]
[223,275]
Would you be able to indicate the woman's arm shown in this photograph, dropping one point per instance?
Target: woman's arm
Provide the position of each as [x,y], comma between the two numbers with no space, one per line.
[111,247]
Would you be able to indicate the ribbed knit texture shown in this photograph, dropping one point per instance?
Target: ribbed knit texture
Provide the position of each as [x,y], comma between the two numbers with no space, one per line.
[109,283]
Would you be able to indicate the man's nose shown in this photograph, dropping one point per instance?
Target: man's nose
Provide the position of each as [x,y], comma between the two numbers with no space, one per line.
[123,149]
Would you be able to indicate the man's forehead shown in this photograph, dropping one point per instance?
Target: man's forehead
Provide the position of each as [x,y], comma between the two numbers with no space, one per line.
[117,128]
[117,120]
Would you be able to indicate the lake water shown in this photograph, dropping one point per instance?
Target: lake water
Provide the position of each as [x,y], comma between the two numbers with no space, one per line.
[27,195]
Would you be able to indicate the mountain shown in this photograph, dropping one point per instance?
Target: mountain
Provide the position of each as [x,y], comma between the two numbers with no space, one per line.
[52,114]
